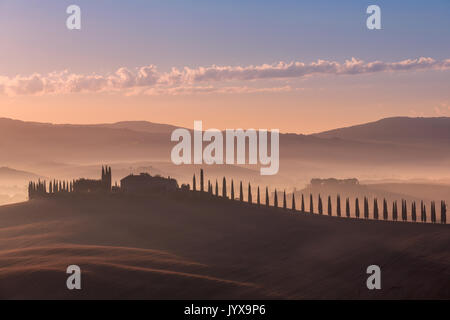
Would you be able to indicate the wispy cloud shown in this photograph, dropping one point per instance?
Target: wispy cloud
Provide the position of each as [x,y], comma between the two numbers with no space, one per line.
[213,79]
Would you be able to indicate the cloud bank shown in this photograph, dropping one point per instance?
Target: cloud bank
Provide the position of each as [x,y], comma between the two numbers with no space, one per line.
[148,80]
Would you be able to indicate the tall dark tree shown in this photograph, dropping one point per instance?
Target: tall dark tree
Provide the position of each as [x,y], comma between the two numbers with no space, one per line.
[338,205]
[217,188]
[443,212]
[433,212]
[356,208]
[347,208]
[319,205]
[423,213]
[404,213]
[284,200]
[258,198]
[249,198]
[330,209]
[209,187]
[293,201]
[275,199]
[394,211]
[224,187]
[194,185]
[413,211]
[366,208]
[375,209]
[232,190]
[201,181]
[311,204]
[267,197]
[241,192]
[385,210]
[303,204]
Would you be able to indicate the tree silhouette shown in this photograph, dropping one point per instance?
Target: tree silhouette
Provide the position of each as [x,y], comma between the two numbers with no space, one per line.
[232,189]
[394,211]
[249,193]
[357,208]
[338,205]
[404,213]
[258,198]
[330,210]
[385,210]
[267,197]
[366,208]
[201,180]
[293,201]
[319,205]
[284,200]
[413,211]
[241,193]
[347,208]
[433,212]
[303,204]
[275,199]
[224,187]
[217,188]
[443,212]
[375,209]
[311,204]
[194,185]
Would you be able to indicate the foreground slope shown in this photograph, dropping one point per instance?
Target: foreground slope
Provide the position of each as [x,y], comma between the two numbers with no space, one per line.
[186,247]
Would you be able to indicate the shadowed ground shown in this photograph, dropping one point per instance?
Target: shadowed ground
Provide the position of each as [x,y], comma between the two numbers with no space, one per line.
[186,247]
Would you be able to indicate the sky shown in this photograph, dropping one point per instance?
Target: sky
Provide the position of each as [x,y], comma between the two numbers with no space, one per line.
[298,66]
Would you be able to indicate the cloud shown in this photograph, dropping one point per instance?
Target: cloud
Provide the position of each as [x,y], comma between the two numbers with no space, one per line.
[149,81]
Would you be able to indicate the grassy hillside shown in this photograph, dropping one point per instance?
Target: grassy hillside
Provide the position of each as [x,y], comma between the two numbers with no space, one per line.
[186,247]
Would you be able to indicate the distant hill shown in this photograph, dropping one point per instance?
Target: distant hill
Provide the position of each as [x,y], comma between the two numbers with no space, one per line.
[396,130]
[393,143]
[10,174]
[142,126]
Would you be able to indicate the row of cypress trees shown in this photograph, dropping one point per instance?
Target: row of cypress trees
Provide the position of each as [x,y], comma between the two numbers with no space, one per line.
[375,211]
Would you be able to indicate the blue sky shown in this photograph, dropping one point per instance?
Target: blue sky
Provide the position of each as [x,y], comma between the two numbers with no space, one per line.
[193,33]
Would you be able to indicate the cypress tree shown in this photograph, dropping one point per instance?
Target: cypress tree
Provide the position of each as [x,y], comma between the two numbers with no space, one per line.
[443,212]
[320,208]
[201,181]
[293,201]
[424,212]
[217,188]
[284,200]
[356,208]
[241,193]
[267,197]
[385,210]
[433,212]
[338,205]
[311,204]
[275,199]
[194,185]
[347,208]
[404,214]
[249,193]
[394,211]
[330,210]
[413,211]
[258,198]
[375,209]
[303,204]
[366,208]
[224,187]
[232,189]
